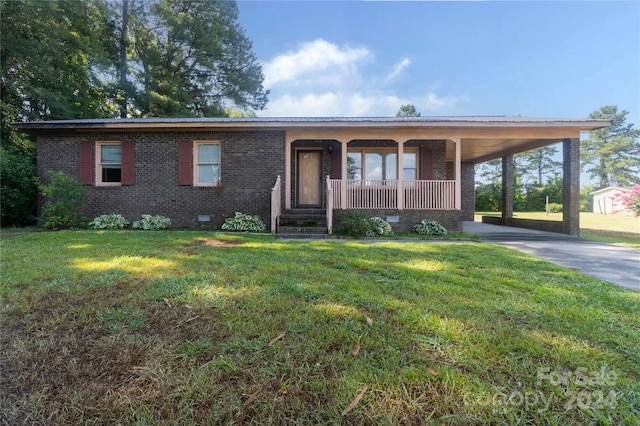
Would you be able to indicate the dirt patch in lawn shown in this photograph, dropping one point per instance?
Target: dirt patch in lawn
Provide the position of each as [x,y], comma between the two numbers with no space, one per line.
[212,242]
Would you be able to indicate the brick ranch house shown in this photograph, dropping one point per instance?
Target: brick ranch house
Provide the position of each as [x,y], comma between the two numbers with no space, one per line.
[199,171]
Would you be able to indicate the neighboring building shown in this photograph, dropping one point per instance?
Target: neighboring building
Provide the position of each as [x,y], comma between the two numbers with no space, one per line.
[199,171]
[604,200]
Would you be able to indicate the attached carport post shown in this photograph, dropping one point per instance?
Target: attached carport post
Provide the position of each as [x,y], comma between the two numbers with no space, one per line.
[507,189]
[571,187]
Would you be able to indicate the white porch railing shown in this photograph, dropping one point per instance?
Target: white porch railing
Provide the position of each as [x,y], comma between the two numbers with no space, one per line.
[429,194]
[276,206]
[383,194]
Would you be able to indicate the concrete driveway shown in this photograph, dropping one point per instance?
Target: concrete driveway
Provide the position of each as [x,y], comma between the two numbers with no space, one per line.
[609,262]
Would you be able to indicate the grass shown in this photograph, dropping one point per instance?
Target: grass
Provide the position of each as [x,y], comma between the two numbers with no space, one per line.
[616,228]
[124,327]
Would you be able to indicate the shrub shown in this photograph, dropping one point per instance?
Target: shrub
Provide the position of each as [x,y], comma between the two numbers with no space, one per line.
[352,223]
[152,223]
[65,196]
[244,223]
[109,221]
[555,208]
[19,189]
[429,227]
[357,224]
[379,227]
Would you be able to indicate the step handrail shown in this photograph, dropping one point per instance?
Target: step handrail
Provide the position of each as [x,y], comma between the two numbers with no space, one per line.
[276,206]
[329,205]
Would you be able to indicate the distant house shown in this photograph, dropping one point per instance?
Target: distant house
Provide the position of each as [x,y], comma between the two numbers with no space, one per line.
[199,171]
[604,200]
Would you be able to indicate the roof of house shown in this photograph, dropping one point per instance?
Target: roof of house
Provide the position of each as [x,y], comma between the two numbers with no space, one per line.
[249,122]
[482,138]
[610,189]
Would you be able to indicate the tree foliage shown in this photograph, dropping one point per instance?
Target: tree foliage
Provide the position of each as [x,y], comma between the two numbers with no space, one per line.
[53,55]
[536,177]
[407,111]
[630,200]
[190,57]
[611,155]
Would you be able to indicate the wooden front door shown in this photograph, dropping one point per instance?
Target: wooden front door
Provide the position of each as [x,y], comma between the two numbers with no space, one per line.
[309,178]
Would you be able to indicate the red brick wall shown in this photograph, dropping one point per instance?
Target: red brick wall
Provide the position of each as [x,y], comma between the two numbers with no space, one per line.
[250,163]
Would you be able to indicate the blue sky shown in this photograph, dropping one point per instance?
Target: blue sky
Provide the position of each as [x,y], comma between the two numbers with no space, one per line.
[535,59]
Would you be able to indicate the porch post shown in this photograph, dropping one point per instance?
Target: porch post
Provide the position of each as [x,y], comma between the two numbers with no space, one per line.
[507,189]
[571,187]
[287,172]
[400,175]
[343,176]
[458,174]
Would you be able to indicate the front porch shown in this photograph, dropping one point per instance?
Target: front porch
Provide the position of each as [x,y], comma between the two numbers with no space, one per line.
[373,174]
[402,181]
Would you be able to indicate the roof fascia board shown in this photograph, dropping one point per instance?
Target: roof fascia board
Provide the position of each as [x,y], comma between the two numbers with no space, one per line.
[284,124]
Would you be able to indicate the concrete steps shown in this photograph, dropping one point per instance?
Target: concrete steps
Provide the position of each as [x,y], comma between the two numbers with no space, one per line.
[303,223]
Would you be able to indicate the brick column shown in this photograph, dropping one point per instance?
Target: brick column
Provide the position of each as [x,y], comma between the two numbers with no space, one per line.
[571,187]
[468,191]
[507,189]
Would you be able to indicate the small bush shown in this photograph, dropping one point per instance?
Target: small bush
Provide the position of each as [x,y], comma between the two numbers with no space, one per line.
[555,208]
[109,221]
[429,227]
[244,223]
[65,195]
[352,223]
[379,227]
[152,223]
[357,224]
[68,221]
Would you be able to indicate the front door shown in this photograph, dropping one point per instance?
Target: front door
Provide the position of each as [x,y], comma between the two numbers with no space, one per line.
[309,178]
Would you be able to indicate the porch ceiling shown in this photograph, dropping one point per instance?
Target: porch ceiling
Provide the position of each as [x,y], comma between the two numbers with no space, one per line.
[477,151]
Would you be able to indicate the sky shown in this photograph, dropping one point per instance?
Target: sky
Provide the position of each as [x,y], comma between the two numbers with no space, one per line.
[367,58]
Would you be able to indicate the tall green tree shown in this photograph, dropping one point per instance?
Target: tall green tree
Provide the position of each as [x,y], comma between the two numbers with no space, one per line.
[52,56]
[540,163]
[611,156]
[191,57]
[408,111]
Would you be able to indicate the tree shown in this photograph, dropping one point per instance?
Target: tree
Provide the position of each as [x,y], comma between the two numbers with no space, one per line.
[540,162]
[630,199]
[191,57]
[51,59]
[407,111]
[612,155]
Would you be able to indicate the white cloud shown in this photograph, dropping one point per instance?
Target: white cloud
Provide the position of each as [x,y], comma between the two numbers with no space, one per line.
[322,79]
[356,104]
[398,68]
[313,59]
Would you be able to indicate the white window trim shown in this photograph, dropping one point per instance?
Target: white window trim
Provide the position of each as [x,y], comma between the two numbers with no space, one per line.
[195,162]
[98,168]
[364,150]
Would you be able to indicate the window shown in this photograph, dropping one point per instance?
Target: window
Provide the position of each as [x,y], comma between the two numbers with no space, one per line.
[377,164]
[109,164]
[206,164]
[409,166]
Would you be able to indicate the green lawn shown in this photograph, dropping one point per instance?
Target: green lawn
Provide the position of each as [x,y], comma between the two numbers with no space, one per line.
[612,228]
[181,328]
